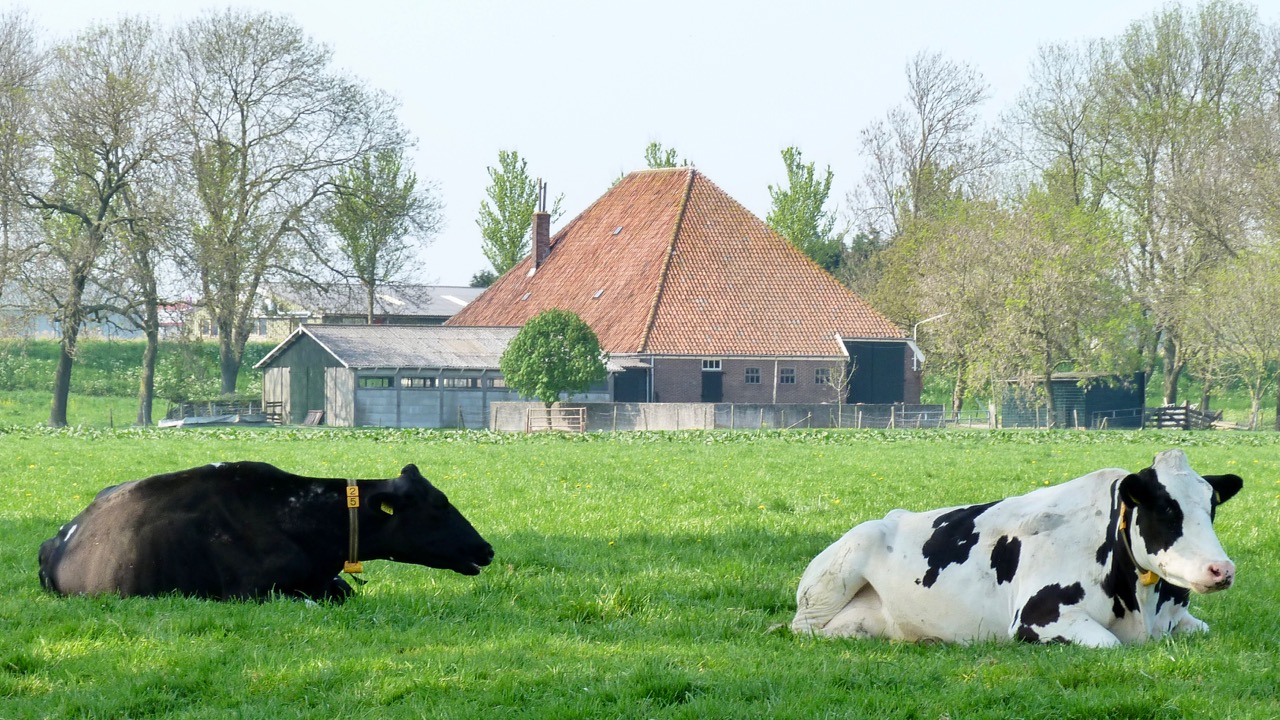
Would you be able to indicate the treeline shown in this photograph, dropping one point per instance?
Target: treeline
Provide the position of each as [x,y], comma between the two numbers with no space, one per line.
[140,164]
[1123,215]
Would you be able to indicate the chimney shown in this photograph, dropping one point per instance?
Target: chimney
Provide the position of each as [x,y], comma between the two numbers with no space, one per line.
[541,228]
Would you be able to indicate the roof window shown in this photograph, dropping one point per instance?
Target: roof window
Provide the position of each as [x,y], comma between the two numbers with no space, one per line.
[525,296]
[617,230]
[597,294]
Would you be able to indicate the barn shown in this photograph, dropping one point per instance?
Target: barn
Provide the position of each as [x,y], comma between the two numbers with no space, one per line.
[697,300]
[387,375]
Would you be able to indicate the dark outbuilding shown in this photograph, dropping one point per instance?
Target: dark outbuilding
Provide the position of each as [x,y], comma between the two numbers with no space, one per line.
[249,529]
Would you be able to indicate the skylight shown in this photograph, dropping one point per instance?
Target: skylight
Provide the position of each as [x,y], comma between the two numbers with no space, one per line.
[617,230]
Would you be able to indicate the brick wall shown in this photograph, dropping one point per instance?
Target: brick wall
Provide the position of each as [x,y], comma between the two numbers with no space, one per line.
[680,380]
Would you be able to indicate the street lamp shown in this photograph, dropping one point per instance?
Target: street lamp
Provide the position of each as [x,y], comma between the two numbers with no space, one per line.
[914,362]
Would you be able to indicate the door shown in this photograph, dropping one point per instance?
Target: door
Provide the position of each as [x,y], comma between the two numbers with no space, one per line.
[631,385]
[712,382]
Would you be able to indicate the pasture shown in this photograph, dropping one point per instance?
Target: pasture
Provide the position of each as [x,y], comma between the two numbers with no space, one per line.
[637,576]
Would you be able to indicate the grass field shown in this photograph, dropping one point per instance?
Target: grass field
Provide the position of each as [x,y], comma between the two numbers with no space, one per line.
[637,576]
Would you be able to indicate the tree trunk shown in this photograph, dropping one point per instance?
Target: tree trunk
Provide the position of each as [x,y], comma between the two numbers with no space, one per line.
[957,391]
[147,384]
[1278,403]
[61,386]
[370,297]
[71,321]
[1172,370]
[228,363]
[1050,409]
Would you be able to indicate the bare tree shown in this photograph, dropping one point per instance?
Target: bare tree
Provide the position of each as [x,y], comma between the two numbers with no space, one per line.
[926,153]
[21,61]
[97,128]
[267,123]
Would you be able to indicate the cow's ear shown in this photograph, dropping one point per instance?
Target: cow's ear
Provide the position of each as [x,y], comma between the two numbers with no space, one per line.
[1139,488]
[1224,487]
[410,472]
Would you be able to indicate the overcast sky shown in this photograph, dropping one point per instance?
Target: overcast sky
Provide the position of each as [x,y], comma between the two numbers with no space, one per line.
[580,88]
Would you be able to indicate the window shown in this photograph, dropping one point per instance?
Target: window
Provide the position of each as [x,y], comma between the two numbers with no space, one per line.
[495,382]
[375,382]
[822,376]
[417,383]
[459,382]
[710,366]
[753,376]
[787,376]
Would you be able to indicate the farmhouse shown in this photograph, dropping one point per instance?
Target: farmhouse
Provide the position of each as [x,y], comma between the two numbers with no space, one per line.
[386,375]
[697,300]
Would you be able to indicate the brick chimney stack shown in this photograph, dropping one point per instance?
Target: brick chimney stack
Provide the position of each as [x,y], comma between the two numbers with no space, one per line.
[541,228]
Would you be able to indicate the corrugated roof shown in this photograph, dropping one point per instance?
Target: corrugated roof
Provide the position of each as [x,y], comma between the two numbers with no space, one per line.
[667,263]
[440,301]
[414,346]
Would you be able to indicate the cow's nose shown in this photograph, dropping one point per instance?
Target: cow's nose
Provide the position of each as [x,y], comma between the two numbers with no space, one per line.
[1223,573]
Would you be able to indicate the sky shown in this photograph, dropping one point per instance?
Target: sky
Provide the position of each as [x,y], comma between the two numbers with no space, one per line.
[580,88]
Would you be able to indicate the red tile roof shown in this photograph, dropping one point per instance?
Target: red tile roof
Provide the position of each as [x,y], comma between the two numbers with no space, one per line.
[667,263]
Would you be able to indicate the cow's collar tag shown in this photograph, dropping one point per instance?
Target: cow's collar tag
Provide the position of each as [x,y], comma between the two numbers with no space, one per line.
[353,565]
[1146,577]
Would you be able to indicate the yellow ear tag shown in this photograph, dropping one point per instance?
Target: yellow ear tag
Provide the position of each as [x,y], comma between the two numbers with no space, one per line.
[386,508]
[1148,578]
[352,567]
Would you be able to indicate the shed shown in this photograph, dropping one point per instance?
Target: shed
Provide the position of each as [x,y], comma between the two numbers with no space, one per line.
[1093,400]
[387,375]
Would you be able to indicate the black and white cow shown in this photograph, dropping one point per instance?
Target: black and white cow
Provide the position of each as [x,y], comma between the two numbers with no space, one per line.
[249,529]
[1104,559]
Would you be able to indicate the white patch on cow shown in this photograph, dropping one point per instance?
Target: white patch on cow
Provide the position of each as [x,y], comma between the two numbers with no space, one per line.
[216,465]
[70,531]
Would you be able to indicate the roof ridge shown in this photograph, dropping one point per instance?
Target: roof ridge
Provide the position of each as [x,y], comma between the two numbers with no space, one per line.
[666,263]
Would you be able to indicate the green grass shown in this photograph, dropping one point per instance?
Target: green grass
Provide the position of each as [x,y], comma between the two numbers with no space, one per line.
[637,576]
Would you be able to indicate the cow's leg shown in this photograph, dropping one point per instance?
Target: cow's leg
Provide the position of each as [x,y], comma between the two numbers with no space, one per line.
[1189,623]
[834,597]
[1075,629]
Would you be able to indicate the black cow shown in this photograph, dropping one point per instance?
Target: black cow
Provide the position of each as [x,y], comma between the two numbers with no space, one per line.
[248,529]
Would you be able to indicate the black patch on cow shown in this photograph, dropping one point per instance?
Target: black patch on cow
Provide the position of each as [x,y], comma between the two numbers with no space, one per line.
[1108,542]
[1169,593]
[1004,558]
[1121,581]
[1224,487]
[1045,607]
[1158,518]
[952,539]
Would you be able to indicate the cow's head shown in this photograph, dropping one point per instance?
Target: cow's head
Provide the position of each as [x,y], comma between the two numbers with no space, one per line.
[415,523]
[1172,526]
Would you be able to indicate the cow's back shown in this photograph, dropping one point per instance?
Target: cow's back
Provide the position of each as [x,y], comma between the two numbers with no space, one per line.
[146,537]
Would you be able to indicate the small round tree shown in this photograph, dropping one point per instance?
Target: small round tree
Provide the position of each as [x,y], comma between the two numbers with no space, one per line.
[554,352]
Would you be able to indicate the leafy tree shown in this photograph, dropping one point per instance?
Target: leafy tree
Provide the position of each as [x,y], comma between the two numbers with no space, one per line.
[483,279]
[798,215]
[373,213]
[555,352]
[507,216]
[267,123]
[656,156]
